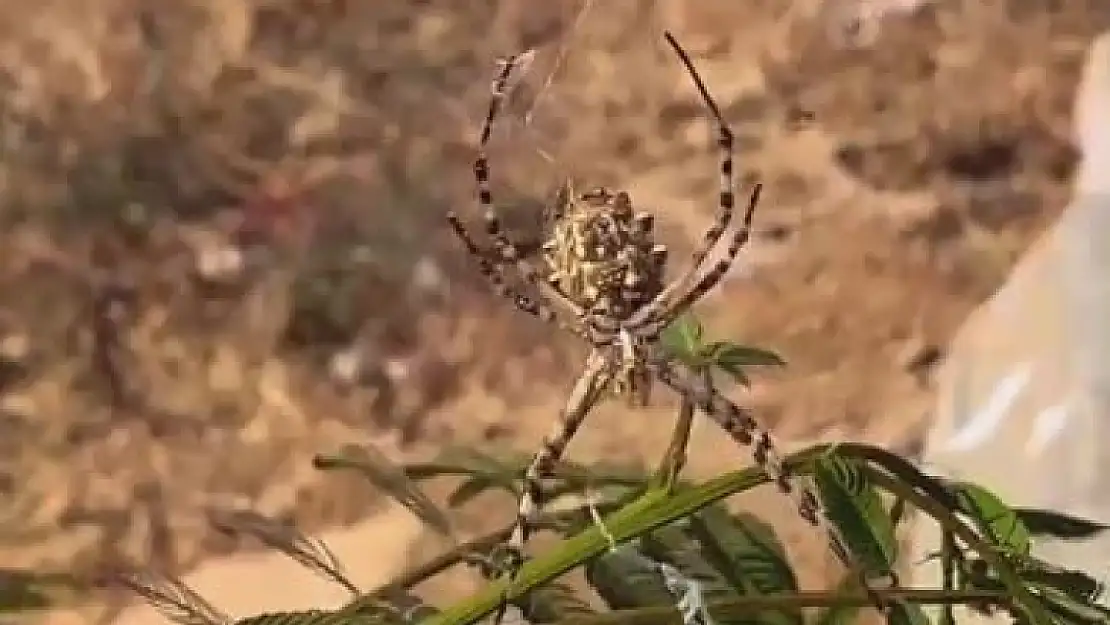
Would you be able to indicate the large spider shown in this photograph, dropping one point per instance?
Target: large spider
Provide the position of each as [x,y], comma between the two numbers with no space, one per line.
[601,277]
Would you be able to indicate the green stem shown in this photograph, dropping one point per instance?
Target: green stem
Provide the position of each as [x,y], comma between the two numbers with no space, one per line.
[656,508]
[442,562]
[653,510]
[666,476]
[736,608]
[566,472]
[948,572]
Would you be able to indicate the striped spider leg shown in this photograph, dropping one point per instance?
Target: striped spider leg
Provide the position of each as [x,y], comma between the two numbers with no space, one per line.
[650,320]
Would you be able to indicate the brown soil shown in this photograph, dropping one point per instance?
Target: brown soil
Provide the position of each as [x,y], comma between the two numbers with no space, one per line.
[903,178]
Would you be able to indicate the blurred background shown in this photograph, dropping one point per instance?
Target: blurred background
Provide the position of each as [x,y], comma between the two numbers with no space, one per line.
[223,247]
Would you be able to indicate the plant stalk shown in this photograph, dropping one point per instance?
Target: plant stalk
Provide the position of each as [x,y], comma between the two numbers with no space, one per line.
[729,609]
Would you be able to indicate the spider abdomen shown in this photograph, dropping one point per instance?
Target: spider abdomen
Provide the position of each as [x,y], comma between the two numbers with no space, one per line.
[601,255]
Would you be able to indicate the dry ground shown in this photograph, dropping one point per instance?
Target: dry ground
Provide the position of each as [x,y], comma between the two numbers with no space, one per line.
[327,138]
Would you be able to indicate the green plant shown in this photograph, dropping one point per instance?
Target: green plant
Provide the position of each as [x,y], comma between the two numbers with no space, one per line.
[657,549]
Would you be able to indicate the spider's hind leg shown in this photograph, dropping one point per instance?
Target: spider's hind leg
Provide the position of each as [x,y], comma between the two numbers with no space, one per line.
[587,390]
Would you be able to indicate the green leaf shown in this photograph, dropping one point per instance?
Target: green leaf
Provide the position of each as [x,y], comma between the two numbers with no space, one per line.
[674,546]
[906,471]
[1072,610]
[624,580]
[390,605]
[997,521]
[1068,594]
[745,549]
[1057,524]
[749,556]
[856,508]
[734,359]
[683,339]
[730,355]
[389,477]
[1076,584]
[553,602]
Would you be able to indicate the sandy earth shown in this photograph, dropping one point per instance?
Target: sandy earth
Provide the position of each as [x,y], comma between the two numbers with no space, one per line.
[904,174]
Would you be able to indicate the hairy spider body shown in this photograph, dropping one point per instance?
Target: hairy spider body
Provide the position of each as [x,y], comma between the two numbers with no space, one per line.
[601,277]
[603,257]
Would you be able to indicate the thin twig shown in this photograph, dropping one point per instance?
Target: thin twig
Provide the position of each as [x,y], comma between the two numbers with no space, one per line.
[674,461]
[444,561]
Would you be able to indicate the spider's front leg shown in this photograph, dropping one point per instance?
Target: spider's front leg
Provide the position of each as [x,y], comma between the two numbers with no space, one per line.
[493,274]
[587,390]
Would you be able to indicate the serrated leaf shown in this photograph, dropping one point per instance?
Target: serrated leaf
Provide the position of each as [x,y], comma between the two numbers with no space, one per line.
[746,551]
[673,545]
[1069,595]
[624,580]
[1070,610]
[1057,524]
[553,602]
[391,479]
[1077,584]
[856,508]
[171,598]
[747,554]
[310,552]
[997,521]
[390,605]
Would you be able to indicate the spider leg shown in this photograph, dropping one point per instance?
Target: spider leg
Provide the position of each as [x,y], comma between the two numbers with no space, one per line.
[743,428]
[506,251]
[593,380]
[655,324]
[726,199]
[536,306]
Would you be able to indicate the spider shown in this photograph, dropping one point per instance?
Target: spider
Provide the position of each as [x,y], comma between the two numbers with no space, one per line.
[601,277]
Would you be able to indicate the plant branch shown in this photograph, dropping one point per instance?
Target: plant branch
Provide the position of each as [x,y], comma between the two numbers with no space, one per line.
[666,476]
[650,511]
[564,471]
[727,610]
[656,508]
[442,562]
